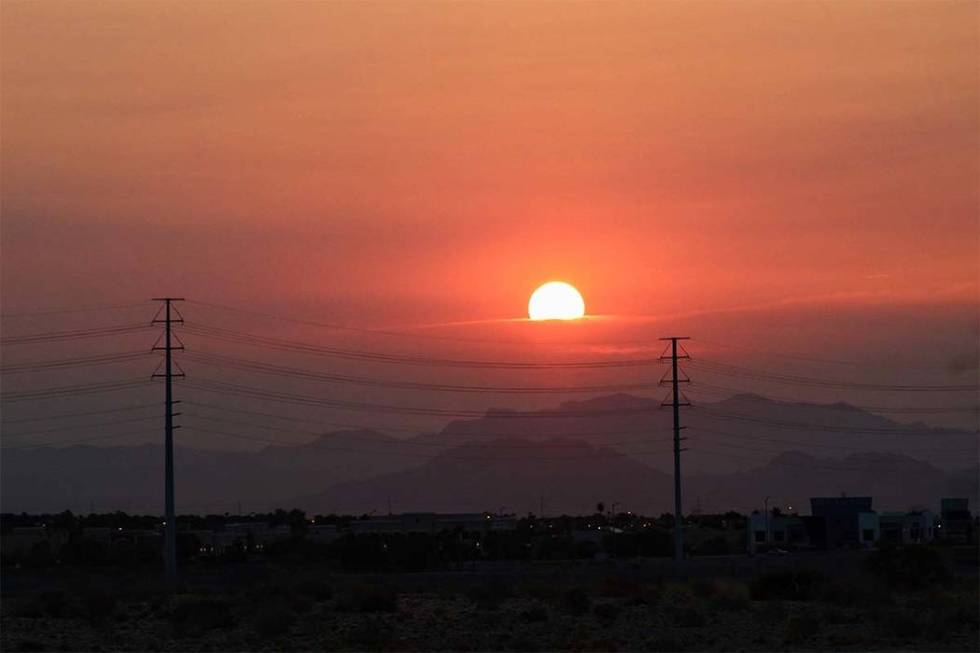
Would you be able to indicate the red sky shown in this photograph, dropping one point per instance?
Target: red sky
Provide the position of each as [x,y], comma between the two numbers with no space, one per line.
[389,164]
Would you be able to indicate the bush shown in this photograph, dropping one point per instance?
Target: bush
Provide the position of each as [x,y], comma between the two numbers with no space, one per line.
[689,617]
[534,614]
[54,604]
[903,624]
[576,601]
[272,620]
[800,585]
[713,546]
[490,595]
[99,605]
[666,642]
[368,598]
[317,590]
[801,627]
[371,634]
[193,616]
[729,595]
[606,613]
[911,567]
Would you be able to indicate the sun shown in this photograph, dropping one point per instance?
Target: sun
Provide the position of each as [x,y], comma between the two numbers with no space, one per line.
[556,300]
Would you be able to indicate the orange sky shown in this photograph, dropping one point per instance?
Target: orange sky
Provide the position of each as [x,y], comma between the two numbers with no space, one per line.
[404,163]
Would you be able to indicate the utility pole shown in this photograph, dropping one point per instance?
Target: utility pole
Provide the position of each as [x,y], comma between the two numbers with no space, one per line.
[677,403]
[170,518]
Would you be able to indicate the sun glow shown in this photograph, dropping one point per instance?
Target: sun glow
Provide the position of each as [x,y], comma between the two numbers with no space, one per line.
[556,300]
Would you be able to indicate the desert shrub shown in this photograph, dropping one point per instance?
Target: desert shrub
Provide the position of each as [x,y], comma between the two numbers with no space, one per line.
[318,590]
[27,608]
[689,617]
[905,625]
[534,613]
[729,595]
[835,615]
[801,627]
[272,620]
[866,591]
[542,591]
[666,642]
[98,605]
[675,594]
[29,645]
[193,616]
[576,601]
[713,546]
[606,613]
[489,596]
[910,567]
[368,598]
[370,634]
[799,585]
[634,593]
[39,556]
[54,604]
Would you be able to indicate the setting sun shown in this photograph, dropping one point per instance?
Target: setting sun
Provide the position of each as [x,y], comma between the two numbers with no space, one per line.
[556,300]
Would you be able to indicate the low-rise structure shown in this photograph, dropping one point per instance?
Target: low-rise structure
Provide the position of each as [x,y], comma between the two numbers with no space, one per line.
[955,520]
[430,522]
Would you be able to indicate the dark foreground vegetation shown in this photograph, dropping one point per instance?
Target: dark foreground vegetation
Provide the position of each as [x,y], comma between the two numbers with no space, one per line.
[911,598]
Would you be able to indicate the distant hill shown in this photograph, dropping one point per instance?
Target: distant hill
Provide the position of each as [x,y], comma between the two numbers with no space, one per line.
[736,455]
[131,478]
[517,475]
[571,477]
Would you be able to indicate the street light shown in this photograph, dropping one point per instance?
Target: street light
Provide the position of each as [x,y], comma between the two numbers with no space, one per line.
[766,503]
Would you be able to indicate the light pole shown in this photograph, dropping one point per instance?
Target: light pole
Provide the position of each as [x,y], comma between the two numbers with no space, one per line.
[766,504]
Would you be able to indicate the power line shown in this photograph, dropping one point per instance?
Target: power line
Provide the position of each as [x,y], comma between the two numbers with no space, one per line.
[280,344]
[443,455]
[46,418]
[805,358]
[727,369]
[97,438]
[78,309]
[471,443]
[111,386]
[384,332]
[268,368]
[817,445]
[804,426]
[209,385]
[38,366]
[79,427]
[76,334]
[720,390]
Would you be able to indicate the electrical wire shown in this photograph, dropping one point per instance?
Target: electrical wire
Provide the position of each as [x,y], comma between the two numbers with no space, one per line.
[280,344]
[39,366]
[209,385]
[227,362]
[80,309]
[46,418]
[727,369]
[76,334]
[111,386]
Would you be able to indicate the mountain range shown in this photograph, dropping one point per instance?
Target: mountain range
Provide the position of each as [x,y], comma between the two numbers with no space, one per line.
[615,449]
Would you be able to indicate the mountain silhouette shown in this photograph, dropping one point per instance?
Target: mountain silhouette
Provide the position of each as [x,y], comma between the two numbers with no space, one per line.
[609,448]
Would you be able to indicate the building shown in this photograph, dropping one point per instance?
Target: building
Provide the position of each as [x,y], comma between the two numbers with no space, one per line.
[913,527]
[955,520]
[21,540]
[776,531]
[430,522]
[840,517]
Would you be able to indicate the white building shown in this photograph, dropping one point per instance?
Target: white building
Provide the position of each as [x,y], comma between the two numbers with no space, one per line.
[912,527]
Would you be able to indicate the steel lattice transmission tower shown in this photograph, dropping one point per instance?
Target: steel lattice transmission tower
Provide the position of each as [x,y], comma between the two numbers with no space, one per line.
[676,403]
[168,347]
